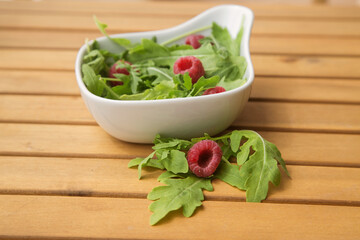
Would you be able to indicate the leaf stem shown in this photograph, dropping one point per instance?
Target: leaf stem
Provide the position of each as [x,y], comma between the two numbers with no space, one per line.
[109,89]
[111,79]
[185,34]
[225,160]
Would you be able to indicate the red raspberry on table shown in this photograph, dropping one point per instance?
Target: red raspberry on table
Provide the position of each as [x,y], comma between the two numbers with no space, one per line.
[193,40]
[204,157]
[114,70]
[214,90]
[189,64]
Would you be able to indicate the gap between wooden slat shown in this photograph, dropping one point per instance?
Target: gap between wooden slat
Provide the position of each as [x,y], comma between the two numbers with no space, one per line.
[233,127]
[92,141]
[266,115]
[289,162]
[122,24]
[143,196]
[112,178]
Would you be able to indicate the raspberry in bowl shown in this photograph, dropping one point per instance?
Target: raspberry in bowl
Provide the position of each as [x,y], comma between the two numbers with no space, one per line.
[140,120]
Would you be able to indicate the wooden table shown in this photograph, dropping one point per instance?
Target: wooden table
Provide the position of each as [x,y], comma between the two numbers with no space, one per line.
[63,177]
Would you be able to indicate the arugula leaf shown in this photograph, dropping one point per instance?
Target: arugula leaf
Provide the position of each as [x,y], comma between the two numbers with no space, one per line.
[134,82]
[144,162]
[167,175]
[123,42]
[147,50]
[186,193]
[125,87]
[171,143]
[230,69]
[203,84]
[222,38]
[239,38]
[151,163]
[164,89]
[229,173]
[179,47]
[109,91]
[261,167]
[162,74]
[227,152]
[187,81]
[176,162]
[95,60]
[229,85]
[91,80]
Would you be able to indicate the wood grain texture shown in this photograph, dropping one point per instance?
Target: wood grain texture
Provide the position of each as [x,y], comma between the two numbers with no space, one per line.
[38,82]
[44,109]
[306,66]
[306,89]
[30,59]
[265,65]
[41,216]
[303,45]
[106,177]
[259,115]
[136,23]
[301,116]
[92,141]
[41,139]
[181,8]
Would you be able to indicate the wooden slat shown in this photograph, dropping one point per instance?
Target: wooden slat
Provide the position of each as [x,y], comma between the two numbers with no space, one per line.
[284,89]
[336,67]
[272,65]
[41,139]
[134,23]
[42,39]
[304,45]
[263,115]
[311,90]
[27,59]
[92,141]
[300,27]
[258,44]
[41,216]
[38,82]
[182,8]
[48,109]
[106,177]
[301,116]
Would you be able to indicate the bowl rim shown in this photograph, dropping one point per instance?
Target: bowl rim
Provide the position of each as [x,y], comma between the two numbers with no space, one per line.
[246,53]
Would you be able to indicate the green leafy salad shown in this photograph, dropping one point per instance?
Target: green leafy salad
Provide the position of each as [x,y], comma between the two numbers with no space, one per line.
[244,160]
[146,70]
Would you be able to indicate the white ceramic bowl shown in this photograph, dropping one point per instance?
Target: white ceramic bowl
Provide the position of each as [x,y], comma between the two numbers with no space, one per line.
[140,121]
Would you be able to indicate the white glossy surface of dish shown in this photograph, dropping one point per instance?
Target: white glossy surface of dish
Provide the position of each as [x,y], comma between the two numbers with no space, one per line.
[140,121]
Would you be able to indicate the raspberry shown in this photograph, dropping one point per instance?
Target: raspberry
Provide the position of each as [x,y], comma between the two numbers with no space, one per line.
[214,90]
[189,64]
[114,70]
[193,40]
[204,157]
